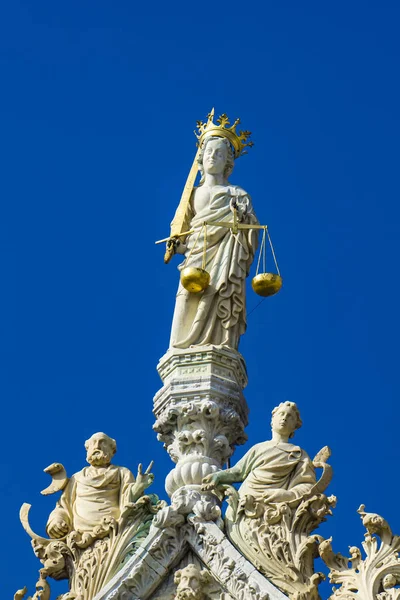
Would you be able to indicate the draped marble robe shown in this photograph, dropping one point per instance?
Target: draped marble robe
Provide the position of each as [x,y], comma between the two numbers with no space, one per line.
[266,466]
[218,315]
[93,494]
[94,498]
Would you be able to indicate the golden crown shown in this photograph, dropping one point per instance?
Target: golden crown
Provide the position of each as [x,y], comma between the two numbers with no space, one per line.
[237,140]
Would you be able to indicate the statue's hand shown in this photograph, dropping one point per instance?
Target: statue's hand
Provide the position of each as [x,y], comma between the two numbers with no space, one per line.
[239,207]
[144,480]
[175,246]
[210,482]
[233,204]
[58,528]
[180,247]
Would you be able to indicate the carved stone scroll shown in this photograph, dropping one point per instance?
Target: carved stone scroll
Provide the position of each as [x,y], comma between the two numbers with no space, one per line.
[374,577]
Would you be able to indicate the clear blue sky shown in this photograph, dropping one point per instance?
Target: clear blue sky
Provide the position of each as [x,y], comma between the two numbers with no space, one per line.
[98,105]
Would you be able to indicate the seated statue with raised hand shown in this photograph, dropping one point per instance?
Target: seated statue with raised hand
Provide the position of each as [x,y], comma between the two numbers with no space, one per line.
[100,519]
[99,491]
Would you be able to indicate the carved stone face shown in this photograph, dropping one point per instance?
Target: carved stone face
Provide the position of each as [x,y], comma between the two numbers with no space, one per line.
[100,450]
[284,421]
[215,156]
[190,583]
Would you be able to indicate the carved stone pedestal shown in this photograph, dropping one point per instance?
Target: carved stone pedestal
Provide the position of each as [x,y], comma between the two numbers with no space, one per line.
[200,415]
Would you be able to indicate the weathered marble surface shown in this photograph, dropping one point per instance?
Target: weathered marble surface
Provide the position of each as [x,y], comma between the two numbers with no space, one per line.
[150,573]
[376,576]
[99,521]
[277,506]
[217,315]
[100,491]
[200,415]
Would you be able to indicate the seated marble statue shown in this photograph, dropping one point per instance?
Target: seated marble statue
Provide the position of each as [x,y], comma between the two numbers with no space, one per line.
[217,315]
[98,491]
[271,517]
[272,471]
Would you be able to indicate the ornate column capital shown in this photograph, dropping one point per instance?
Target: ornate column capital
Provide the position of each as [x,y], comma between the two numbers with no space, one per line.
[200,413]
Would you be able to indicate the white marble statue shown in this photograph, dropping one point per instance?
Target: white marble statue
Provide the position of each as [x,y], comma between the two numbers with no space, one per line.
[272,471]
[271,517]
[99,521]
[98,491]
[218,315]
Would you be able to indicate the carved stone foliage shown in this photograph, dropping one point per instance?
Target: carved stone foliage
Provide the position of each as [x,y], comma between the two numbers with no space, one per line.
[99,521]
[374,577]
[89,560]
[200,412]
[42,589]
[223,563]
[171,546]
[277,537]
[147,568]
[202,428]
[279,543]
[136,584]
[280,503]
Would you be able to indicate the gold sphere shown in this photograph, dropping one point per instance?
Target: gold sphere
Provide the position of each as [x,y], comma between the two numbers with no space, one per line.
[194,279]
[266,284]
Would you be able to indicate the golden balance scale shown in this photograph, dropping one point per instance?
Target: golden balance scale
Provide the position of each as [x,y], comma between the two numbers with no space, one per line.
[196,280]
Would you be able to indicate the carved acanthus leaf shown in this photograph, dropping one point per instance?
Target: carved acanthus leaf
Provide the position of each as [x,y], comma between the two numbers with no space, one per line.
[212,553]
[377,575]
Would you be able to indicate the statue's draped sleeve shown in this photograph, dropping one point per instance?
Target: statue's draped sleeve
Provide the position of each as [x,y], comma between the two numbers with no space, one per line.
[64,507]
[303,478]
[127,485]
[67,509]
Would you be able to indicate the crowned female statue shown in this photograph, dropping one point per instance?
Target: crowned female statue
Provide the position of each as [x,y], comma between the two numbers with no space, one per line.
[216,315]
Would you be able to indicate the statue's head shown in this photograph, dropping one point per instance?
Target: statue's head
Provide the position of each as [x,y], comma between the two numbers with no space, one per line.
[100,449]
[190,582]
[286,419]
[216,157]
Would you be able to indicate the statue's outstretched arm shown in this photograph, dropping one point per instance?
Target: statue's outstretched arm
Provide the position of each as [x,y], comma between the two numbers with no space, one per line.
[233,475]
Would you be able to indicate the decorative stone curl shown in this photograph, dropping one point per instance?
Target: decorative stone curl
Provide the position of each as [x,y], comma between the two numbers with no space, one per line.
[375,577]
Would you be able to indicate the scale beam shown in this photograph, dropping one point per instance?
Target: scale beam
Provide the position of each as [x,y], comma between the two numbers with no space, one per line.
[235,225]
[232,225]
